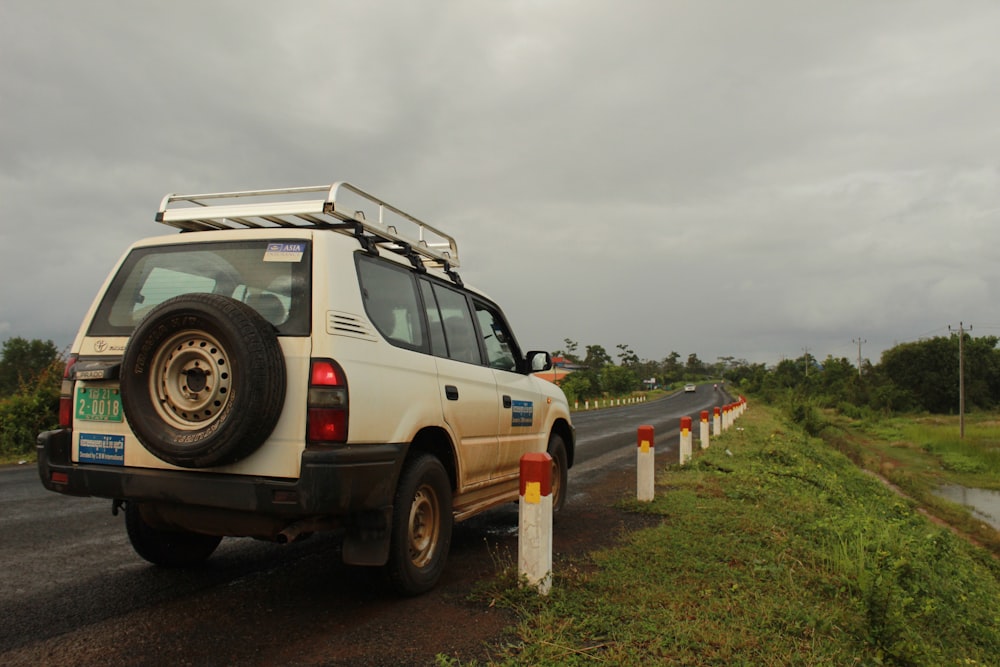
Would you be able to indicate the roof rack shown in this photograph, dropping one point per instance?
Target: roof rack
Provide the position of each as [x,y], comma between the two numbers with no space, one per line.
[342,208]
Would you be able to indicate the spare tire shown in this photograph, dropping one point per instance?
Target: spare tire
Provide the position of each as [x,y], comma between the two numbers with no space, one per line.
[203,380]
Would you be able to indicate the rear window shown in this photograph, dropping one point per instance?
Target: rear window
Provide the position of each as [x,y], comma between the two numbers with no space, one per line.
[270,276]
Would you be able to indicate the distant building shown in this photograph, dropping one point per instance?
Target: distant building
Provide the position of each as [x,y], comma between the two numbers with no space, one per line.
[561,367]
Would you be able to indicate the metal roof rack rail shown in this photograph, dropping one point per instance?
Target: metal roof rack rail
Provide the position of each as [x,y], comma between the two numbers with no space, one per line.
[343,208]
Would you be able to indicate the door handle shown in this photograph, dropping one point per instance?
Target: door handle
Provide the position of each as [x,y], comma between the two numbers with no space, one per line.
[451,392]
[506,401]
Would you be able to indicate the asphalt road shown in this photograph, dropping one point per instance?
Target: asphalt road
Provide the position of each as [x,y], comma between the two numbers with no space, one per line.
[73,591]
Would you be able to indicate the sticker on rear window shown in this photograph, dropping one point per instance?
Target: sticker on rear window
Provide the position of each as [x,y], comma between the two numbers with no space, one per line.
[284,252]
[104,449]
[521,413]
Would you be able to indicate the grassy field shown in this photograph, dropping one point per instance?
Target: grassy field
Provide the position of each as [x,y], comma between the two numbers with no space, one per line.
[772,548]
[919,454]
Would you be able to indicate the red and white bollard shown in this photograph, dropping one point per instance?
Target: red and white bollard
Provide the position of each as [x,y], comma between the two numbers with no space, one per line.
[703,436]
[645,465]
[685,447]
[534,522]
[716,420]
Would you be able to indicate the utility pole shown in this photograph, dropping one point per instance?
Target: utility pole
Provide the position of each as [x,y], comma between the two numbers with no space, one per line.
[806,357]
[961,377]
[859,341]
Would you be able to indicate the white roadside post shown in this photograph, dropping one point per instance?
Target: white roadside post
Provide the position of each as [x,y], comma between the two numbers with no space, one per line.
[716,421]
[645,464]
[534,525]
[685,448]
[703,436]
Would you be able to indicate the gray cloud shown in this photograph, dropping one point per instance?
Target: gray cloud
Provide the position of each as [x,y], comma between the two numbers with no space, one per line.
[744,179]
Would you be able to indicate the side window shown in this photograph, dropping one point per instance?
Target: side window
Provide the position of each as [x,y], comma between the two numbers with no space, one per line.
[390,296]
[459,330]
[501,350]
[436,327]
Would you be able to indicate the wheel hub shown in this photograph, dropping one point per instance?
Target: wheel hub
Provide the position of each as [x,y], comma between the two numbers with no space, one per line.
[191,380]
[423,526]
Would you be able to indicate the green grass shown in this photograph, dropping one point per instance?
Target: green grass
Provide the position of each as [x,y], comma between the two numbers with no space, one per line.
[973,460]
[920,454]
[784,553]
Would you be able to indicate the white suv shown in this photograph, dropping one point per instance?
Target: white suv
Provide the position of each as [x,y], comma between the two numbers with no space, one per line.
[300,360]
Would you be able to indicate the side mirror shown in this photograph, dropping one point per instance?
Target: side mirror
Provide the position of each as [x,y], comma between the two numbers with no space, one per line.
[539,361]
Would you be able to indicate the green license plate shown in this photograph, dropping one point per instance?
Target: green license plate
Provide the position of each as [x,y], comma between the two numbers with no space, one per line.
[98,404]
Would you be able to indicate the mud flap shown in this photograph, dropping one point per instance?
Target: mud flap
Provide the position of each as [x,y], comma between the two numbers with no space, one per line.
[367,539]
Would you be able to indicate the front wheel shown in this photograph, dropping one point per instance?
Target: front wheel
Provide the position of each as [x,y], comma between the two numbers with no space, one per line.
[167,548]
[421,526]
[560,471]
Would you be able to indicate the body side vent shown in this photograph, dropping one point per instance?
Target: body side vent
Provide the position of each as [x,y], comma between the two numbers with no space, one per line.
[346,324]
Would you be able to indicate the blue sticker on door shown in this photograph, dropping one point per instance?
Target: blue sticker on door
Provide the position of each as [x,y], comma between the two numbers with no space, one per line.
[521,413]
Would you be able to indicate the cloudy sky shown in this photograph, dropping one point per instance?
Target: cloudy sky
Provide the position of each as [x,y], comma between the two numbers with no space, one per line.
[746,179]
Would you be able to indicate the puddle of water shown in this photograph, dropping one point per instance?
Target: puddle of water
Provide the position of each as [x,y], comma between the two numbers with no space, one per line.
[984,503]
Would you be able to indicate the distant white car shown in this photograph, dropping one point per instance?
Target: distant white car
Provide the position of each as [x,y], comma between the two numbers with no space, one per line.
[690,388]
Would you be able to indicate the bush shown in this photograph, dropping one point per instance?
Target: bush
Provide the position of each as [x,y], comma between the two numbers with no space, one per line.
[805,415]
[33,408]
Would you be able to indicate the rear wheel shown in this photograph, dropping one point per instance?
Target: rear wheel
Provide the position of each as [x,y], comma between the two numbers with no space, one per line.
[167,548]
[421,526]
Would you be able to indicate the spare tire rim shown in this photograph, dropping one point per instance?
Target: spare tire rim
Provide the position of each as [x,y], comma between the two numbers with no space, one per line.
[424,526]
[191,380]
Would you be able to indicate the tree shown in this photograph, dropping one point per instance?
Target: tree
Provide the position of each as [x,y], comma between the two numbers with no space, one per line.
[618,380]
[982,372]
[626,356]
[570,352]
[23,361]
[672,369]
[928,369]
[597,358]
[576,386]
[749,376]
[723,364]
[694,365]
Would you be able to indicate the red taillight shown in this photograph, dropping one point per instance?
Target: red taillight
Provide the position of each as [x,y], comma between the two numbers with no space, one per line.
[66,396]
[325,373]
[326,416]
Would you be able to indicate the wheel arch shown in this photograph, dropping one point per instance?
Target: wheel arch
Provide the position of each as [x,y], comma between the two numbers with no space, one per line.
[434,440]
[565,431]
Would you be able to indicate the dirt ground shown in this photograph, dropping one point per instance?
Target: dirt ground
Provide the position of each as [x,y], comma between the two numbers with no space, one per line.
[446,621]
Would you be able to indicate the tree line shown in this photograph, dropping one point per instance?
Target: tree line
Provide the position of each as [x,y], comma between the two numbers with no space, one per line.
[594,373]
[919,376]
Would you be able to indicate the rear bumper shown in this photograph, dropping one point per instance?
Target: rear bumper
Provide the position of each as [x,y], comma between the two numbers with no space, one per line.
[340,482]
